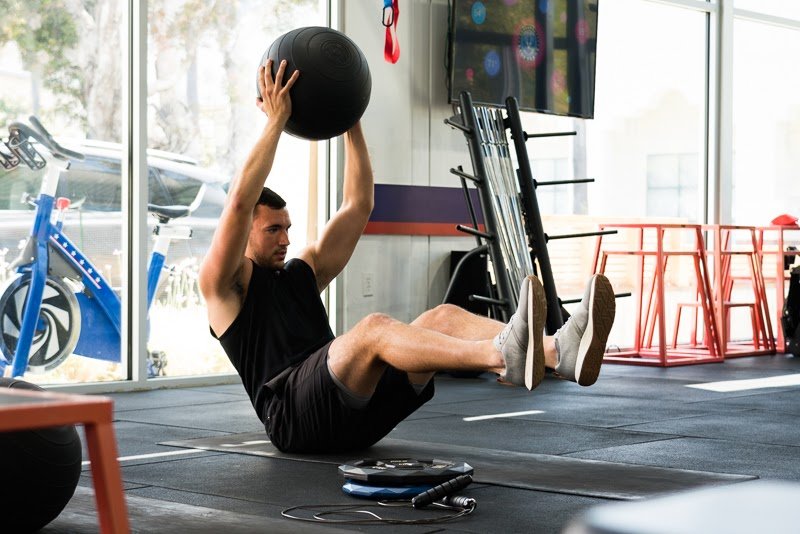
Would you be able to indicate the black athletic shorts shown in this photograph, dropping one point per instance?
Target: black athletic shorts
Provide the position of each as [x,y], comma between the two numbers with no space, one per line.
[306,412]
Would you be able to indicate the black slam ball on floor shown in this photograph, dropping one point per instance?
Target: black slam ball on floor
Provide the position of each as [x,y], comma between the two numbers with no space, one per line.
[40,471]
[334,86]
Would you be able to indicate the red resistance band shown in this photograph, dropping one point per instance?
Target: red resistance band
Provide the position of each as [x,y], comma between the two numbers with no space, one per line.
[391,47]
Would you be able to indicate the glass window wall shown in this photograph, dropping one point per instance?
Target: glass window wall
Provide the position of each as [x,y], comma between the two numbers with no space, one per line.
[63,62]
[650,101]
[766,122]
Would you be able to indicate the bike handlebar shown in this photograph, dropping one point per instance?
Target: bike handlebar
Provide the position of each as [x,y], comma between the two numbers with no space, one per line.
[40,133]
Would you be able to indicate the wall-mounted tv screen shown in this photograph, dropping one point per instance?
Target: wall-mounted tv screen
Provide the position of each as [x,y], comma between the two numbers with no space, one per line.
[540,51]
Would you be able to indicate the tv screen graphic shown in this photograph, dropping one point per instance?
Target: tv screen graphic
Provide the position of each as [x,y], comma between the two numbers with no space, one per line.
[540,51]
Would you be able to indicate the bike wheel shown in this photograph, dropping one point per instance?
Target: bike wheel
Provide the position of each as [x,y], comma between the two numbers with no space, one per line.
[59,323]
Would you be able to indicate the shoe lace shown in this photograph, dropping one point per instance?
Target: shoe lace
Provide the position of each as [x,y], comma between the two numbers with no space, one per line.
[501,338]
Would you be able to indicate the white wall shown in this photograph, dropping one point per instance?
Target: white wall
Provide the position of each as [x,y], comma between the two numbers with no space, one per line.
[409,145]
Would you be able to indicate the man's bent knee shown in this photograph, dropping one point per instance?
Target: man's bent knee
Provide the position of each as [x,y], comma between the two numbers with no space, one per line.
[368,330]
[361,344]
[375,321]
[436,316]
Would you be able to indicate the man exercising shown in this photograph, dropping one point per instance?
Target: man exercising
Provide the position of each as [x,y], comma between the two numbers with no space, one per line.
[316,392]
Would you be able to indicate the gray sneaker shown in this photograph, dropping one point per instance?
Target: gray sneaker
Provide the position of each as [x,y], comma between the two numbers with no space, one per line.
[520,342]
[581,342]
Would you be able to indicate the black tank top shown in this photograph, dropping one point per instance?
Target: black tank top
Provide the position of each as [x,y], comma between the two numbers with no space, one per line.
[282,321]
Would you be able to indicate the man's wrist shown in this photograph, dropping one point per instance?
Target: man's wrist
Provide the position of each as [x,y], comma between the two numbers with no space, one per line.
[275,124]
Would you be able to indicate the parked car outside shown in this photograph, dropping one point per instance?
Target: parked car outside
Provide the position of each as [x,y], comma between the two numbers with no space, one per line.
[94,188]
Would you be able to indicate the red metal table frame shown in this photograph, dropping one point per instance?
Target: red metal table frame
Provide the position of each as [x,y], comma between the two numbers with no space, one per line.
[664,355]
[25,410]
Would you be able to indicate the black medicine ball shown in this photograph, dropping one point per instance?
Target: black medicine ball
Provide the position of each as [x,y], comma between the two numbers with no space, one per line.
[334,86]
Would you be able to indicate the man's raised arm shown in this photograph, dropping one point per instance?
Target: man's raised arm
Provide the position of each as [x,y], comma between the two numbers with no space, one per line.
[328,256]
[221,275]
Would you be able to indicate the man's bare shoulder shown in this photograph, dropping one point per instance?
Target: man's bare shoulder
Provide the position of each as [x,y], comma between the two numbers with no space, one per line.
[224,305]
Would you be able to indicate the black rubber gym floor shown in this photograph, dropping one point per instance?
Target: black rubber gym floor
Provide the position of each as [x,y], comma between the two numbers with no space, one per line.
[197,460]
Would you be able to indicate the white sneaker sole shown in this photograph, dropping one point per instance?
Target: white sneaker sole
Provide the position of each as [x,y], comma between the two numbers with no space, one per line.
[537,313]
[602,307]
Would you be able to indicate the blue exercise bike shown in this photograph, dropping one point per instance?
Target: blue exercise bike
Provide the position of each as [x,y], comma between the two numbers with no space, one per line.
[59,302]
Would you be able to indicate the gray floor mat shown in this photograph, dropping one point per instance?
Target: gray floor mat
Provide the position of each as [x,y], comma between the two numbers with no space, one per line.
[720,455]
[753,426]
[152,516]
[518,470]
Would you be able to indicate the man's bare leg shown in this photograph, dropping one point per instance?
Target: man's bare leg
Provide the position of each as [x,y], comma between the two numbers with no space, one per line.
[446,337]
[359,357]
[457,322]
[450,338]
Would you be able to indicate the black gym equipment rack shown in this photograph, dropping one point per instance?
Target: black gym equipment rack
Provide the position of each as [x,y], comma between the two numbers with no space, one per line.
[483,128]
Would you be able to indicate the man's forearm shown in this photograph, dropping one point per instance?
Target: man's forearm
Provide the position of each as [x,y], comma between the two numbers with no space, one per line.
[359,188]
[250,181]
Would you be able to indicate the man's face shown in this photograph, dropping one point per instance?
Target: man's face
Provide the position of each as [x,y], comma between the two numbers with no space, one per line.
[269,236]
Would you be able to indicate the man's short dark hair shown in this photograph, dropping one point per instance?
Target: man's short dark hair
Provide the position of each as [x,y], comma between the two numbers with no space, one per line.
[271,199]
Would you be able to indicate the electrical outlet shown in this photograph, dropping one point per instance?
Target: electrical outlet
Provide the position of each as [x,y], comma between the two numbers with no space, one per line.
[367,284]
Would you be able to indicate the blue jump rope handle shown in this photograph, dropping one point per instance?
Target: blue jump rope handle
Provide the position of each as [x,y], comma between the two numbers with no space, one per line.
[442,490]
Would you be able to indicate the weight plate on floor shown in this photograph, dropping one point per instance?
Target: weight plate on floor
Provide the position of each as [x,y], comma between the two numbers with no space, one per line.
[403,471]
